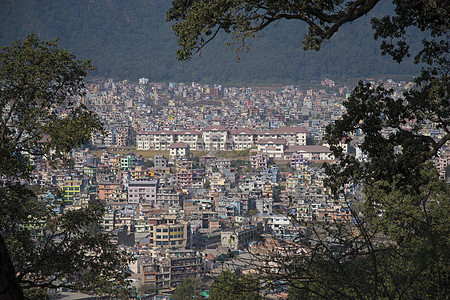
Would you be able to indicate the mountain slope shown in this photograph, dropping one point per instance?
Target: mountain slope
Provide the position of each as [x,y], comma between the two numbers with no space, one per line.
[130,39]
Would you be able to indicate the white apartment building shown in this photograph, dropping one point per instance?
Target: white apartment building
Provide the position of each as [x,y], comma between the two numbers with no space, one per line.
[218,137]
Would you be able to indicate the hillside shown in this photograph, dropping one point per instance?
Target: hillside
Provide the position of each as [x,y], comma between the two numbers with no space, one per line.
[130,39]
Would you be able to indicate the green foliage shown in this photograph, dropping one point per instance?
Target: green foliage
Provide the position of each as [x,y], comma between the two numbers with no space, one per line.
[51,250]
[207,185]
[406,203]
[47,248]
[149,163]
[231,286]
[38,82]
[398,250]
[190,288]
[198,22]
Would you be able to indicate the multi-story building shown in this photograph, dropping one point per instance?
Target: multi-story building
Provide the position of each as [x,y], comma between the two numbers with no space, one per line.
[215,137]
[128,161]
[185,178]
[265,205]
[168,232]
[168,197]
[184,264]
[71,188]
[298,161]
[105,188]
[218,182]
[179,150]
[143,140]
[122,136]
[160,161]
[162,139]
[243,138]
[110,138]
[117,198]
[241,237]
[218,137]
[193,138]
[310,152]
[291,135]
[142,190]
[259,161]
[170,269]
[272,147]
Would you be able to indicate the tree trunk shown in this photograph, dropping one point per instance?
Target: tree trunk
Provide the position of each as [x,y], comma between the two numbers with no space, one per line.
[9,286]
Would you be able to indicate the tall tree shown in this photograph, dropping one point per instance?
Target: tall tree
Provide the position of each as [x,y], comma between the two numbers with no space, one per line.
[40,117]
[398,246]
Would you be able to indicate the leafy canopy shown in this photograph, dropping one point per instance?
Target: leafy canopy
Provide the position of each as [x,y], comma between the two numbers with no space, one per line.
[197,22]
[39,118]
[229,285]
[190,288]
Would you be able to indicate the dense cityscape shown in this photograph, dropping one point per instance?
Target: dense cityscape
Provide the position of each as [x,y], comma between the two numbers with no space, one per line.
[188,173]
[224,149]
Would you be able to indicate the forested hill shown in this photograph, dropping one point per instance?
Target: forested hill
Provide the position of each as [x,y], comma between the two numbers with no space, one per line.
[130,39]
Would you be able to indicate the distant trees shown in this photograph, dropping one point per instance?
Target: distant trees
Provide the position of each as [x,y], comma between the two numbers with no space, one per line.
[398,246]
[40,247]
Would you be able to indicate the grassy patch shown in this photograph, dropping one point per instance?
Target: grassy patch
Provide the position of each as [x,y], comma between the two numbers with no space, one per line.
[236,154]
[145,153]
[199,153]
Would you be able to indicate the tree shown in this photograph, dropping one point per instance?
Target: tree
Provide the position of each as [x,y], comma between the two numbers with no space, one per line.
[198,22]
[397,247]
[40,117]
[231,286]
[190,288]
[207,185]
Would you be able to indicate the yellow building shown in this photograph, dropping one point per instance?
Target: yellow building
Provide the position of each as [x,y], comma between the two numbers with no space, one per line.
[71,188]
